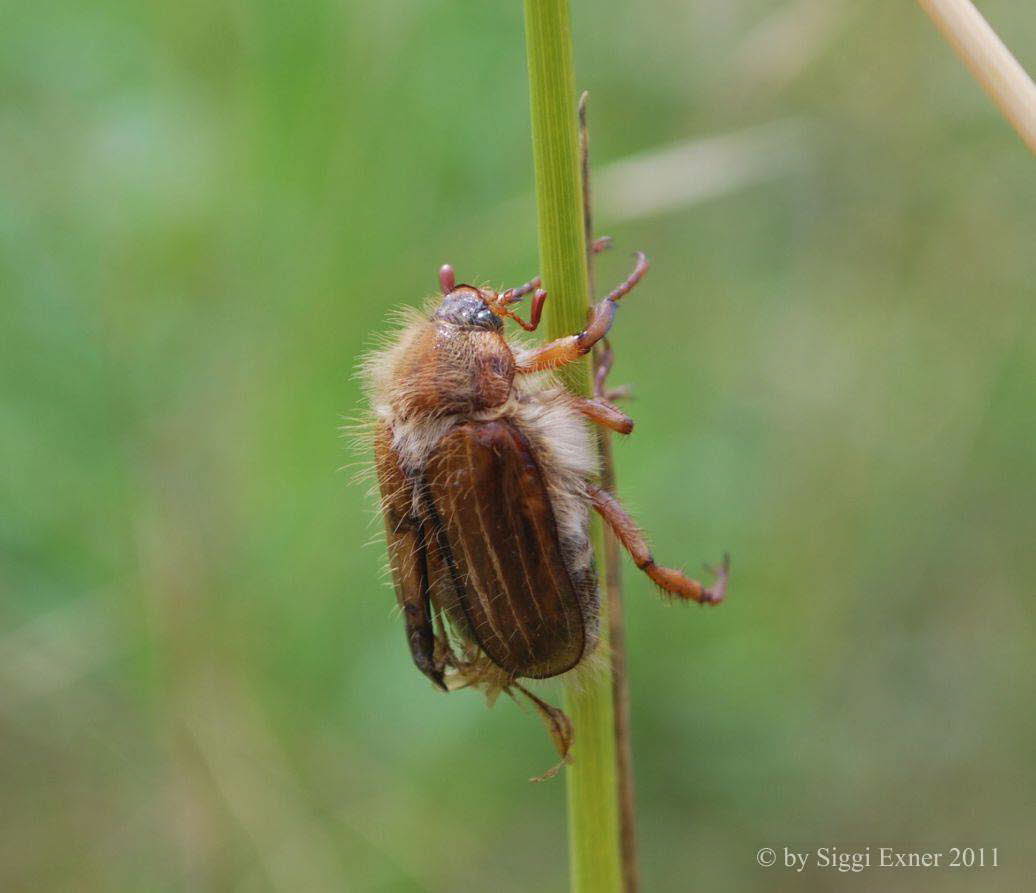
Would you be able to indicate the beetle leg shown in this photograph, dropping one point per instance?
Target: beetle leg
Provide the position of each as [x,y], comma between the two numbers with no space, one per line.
[513,295]
[410,566]
[509,296]
[408,557]
[537,309]
[640,268]
[672,581]
[603,413]
[565,350]
[559,727]
[605,358]
[604,366]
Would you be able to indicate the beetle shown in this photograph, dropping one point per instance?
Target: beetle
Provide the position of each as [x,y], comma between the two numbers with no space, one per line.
[487,473]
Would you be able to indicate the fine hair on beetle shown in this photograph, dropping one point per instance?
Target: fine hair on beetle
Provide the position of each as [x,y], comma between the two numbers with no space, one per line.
[487,472]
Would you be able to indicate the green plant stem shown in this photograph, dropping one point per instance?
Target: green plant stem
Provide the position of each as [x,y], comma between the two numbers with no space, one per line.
[592,784]
[612,567]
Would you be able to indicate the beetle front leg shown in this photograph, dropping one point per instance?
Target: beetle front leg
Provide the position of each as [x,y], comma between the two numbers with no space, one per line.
[570,348]
[510,295]
[672,581]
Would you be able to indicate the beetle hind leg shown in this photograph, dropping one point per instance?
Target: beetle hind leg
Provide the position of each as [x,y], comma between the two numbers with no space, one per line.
[558,726]
[672,581]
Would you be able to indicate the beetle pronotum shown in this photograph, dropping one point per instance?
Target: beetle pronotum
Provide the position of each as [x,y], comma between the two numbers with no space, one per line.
[487,474]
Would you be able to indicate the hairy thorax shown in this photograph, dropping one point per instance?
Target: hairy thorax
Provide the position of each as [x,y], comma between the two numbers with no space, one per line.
[448,370]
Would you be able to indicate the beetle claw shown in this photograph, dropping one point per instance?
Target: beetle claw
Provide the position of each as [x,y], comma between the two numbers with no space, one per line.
[718,590]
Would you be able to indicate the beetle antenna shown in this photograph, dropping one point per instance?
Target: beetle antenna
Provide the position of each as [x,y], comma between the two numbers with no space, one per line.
[447,279]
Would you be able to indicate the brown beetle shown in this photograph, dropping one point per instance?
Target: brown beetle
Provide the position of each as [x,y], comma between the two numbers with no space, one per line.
[487,472]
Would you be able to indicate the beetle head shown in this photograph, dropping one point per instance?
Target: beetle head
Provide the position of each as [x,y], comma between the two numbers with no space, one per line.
[483,308]
[465,307]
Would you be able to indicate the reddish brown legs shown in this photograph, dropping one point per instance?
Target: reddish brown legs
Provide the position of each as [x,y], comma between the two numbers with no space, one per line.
[572,347]
[558,725]
[604,366]
[513,295]
[516,294]
[407,558]
[603,413]
[624,288]
[499,303]
[537,307]
[672,581]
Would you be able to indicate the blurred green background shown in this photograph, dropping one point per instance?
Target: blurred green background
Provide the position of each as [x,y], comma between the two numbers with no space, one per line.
[206,210]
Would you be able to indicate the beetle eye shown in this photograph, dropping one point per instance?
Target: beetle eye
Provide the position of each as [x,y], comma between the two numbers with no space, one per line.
[486,319]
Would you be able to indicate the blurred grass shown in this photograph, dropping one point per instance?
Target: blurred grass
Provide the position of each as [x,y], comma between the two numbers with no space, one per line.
[204,212]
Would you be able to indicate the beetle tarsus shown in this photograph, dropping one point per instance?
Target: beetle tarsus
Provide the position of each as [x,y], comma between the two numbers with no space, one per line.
[601,372]
[641,267]
[672,581]
[510,295]
[558,725]
[718,590]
